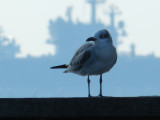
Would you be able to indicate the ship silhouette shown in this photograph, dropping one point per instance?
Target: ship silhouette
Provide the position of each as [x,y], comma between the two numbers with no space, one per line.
[31,77]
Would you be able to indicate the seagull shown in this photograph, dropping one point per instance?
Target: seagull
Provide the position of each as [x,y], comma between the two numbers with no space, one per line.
[95,57]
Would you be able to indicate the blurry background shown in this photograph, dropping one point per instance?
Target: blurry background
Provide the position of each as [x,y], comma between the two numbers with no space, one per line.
[35,35]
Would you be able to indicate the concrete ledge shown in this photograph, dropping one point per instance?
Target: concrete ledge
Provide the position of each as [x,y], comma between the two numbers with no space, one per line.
[104,107]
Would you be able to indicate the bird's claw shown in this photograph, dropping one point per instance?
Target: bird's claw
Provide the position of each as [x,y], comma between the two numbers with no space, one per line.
[89,96]
[100,95]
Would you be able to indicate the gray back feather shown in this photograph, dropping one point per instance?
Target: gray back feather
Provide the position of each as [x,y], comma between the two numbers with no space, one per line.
[82,55]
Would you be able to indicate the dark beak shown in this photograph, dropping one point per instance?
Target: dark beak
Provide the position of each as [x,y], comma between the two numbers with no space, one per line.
[91,39]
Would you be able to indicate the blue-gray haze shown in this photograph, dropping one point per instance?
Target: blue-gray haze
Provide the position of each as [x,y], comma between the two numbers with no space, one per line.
[31,77]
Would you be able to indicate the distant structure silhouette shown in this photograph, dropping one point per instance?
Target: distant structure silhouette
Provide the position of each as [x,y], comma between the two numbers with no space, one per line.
[8,48]
[132,50]
[93,4]
[113,12]
[69,14]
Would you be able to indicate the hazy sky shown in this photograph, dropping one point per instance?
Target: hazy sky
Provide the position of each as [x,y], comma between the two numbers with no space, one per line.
[27,21]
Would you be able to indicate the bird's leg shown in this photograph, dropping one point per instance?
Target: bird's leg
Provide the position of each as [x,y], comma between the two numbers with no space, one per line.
[100,95]
[89,95]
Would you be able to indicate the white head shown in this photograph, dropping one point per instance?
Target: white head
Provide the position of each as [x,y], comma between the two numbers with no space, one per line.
[101,36]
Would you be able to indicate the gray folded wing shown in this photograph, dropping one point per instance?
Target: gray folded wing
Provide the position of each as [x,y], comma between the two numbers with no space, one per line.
[82,55]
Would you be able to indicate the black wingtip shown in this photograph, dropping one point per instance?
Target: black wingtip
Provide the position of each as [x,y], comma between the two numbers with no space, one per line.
[51,67]
[60,66]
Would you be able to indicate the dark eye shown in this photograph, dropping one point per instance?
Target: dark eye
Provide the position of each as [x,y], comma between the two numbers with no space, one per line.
[102,36]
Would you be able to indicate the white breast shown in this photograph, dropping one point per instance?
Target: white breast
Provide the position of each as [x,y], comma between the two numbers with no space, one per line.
[104,59]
